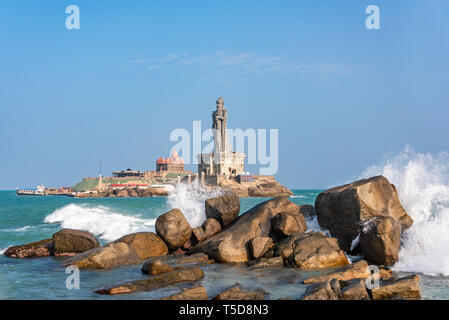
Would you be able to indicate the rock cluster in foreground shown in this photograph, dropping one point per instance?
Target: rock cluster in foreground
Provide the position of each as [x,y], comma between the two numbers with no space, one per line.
[365,217]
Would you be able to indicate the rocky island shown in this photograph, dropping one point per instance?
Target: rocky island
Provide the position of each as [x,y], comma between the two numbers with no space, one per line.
[222,169]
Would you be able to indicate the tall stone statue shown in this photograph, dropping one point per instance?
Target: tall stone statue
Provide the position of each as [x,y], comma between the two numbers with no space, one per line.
[219,126]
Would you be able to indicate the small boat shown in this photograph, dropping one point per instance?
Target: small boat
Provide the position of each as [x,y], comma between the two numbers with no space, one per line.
[39,191]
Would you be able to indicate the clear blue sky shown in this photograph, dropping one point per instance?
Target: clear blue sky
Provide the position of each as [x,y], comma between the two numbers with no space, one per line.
[341,96]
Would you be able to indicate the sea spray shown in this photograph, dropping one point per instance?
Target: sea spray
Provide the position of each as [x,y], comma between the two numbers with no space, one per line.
[100,221]
[190,200]
[422,181]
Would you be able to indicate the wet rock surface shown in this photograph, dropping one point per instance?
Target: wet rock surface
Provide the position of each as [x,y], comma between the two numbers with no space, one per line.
[359,269]
[36,249]
[196,293]
[406,288]
[177,276]
[106,257]
[155,267]
[236,292]
[312,250]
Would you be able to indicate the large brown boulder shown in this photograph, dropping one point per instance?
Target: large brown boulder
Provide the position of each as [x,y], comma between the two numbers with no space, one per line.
[406,288]
[109,256]
[287,223]
[173,228]
[346,209]
[177,276]
[259,246]
[381,240]
[36,249]
[155,267]
[359,269]
[311,250]
[231,245]
[73,241]
[224,209]
[145,244]
[237,293]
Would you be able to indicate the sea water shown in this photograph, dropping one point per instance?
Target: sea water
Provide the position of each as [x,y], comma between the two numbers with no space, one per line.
[422,181]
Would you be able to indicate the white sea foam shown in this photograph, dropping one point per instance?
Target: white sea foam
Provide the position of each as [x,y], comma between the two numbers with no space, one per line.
[190,200]
[2,251]
[422,181]
[17,229]
[99,220]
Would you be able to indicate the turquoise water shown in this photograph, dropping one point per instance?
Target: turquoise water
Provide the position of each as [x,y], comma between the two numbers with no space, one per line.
[30,218]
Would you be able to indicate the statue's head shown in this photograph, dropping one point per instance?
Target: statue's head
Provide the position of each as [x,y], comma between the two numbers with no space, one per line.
[220,102]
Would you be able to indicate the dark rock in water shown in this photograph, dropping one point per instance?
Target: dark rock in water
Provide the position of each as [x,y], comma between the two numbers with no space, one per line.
[359,269]
[198,235]
[380,241]
[337,290]
[159,281]
[145,244]
[173,228]
[109,256]
[287,223]
[196,293]
[37,249]
[406,288]
[266,262]
[328,290]
[155,267]
[224,209]
[231,245]
[237,293]
[346,209]
[311,250]
[211,227]
[74,241]
[259,246]
[193,258]
[353,290]
[307,210]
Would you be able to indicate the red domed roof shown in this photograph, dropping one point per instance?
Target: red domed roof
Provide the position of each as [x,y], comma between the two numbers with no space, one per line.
[160,161]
